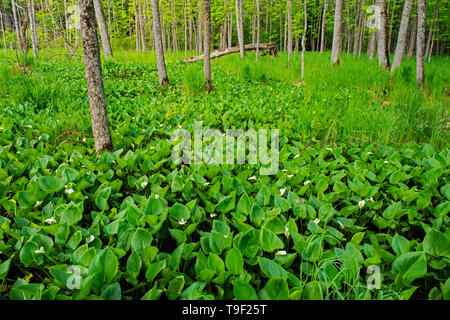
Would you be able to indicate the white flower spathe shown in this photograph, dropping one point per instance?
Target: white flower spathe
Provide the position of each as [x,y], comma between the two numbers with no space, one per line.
[361,204]
[252,178]
[91,238]
[281,252]
[41,250]
[290,176]
[306,182]
[144,184]
[50,220]
[282,191]
[70,191]
[182,222]
[316,221]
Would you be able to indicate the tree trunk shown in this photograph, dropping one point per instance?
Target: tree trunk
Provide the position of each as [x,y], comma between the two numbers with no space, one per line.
[420,55]
[200,37]
[337,34]
[412,38]
[230,28]
[162,72]
[289,26]
[136,20]
[142,28]
[106,44]
[207,53]
[383,56]
[93,68]
[270,48]
[3,33]
[390,28]
[258,25]
[402,35]
[34,41]
[240,27]
[16,26]
[371,47]
[322,34]
[185,29]
[303,42]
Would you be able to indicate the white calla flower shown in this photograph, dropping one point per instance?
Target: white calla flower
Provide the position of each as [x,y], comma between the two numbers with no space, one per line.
[182,222]
[144,184]
[281,252]
[316,221]
[361,203]
[282,191]
[306,182]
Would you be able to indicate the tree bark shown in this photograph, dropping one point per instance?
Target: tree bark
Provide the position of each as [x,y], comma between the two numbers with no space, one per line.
[420,55]
[322,34]
[303,42]
[3,33]
[270,48]
[383,56]
[185,29]
[162,72]
[106,44]
[207,53]
[16,26]
[412,39]
[136,20]
[258,25]
[289,26]
[142,29]
[337,34]
[402,35]
[93,69]
[240,27]
[34,41]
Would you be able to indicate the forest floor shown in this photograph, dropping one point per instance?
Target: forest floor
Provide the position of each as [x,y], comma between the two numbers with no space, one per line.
[363,181]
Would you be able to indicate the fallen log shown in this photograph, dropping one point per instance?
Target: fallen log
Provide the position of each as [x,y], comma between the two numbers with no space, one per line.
[265,48]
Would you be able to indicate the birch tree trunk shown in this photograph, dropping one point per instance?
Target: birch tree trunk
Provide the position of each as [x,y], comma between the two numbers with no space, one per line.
[258,25]
[240,27]
[136,20]
[94,80]
[106,44]
[412,39]
[34,41]
[402,35]
[289,26]
[185,29]
[200,22]
[337,34]
[207,53]
[383,56]
[322,34]
[371,47]
[420,55]
[303,42]
[142,29]
[162,72]
[16,26]
[3,33]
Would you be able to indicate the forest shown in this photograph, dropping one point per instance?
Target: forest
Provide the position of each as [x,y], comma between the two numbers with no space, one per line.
[224,150]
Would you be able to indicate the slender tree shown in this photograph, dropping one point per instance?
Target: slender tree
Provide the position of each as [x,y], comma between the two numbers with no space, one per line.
[93,69]
[106,44]
[412,38]
[402,35]
[240,27]
[383,55]
[304,39]
[3,33]
[258,25]
[206,46]
[31,16]
[322,34]
[289,26]
[162,72]
[420,51]
[337,34]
